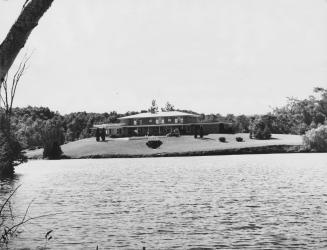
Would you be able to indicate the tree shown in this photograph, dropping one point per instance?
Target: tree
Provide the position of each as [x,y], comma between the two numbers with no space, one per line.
[168,107]
[316,139]
[154,108]
[298,116]
[10,148]
[322,102]
[53,138]
[17,36]
[260,127]
[8,92]
[230,118]
[242,124]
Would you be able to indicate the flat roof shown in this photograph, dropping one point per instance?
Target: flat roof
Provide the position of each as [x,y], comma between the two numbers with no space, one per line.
[158,114]
[111,125]
[123,125]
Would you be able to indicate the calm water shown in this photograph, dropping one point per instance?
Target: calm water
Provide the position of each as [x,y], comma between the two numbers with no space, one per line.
[224,202]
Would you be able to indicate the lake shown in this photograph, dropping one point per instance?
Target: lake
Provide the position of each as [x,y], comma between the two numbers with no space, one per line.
[274,201]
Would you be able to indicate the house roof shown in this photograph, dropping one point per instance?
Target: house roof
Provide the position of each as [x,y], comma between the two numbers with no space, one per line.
[111,125]
[158,114]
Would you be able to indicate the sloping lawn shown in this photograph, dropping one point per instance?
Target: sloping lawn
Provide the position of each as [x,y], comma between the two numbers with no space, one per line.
[137,146]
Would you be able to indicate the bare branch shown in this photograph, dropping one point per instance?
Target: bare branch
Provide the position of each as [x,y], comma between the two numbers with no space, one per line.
[8,93]
[17,36]
[9,197]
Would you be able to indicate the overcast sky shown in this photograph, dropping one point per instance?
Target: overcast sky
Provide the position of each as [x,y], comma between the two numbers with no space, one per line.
[211,56]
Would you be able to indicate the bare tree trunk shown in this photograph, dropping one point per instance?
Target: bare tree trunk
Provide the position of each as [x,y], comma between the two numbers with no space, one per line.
[19,33]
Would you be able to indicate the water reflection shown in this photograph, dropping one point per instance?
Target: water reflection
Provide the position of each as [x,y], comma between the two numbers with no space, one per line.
[7,185]
[232,202]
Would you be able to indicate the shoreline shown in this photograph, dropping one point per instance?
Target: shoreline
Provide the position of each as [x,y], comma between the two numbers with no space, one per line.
[274,149]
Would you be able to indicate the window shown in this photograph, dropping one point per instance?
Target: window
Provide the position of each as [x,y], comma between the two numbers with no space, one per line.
[137,122]
[169,119]
[157,121]
[162,120]
[150,120]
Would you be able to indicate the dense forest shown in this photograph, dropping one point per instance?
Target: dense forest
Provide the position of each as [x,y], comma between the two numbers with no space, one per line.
[295,117]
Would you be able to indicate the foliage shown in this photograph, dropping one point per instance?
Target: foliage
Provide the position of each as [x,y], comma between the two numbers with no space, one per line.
[241,124]
[30,121]
[10,150]
[296,117]
[299,116]
[239,139]
[316,139]
[260,127]
[168,107]
[154,144]
[154,108]
[52,138]
[222,139]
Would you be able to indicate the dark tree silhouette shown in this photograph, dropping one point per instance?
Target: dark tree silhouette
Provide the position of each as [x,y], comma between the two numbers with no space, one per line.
[18,34]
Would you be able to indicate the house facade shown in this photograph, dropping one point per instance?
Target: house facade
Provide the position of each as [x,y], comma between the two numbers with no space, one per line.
[161,123]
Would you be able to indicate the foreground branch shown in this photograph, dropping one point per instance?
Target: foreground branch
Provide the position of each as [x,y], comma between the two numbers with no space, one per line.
[19,33]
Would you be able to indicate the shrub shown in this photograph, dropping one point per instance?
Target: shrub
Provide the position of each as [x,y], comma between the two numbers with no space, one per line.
[259,128]
[222,139]
[154,144]
[239,139]
[316,139]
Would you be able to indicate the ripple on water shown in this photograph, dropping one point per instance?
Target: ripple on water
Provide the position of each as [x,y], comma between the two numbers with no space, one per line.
[224,202]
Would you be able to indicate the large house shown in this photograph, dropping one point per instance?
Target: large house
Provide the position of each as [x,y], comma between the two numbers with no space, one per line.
[162,123]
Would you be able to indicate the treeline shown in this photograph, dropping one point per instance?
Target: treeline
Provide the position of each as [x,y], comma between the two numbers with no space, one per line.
[296,117]
[30,124]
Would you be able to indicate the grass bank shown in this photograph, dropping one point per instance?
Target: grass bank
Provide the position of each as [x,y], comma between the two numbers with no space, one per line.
[182,146]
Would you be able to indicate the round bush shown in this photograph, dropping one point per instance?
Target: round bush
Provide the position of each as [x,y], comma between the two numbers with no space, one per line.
[316,139]
[239,139]
[154,144]
[222,139]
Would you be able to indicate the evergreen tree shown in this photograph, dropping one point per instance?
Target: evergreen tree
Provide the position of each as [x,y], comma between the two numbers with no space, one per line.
[154,108]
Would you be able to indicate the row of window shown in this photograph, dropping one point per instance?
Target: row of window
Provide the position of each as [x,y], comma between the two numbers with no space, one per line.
[160,121]
[112,131]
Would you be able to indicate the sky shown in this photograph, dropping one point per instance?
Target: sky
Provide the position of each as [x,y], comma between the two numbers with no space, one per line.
[210,56]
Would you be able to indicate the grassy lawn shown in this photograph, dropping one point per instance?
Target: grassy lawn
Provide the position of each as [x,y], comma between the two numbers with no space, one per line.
[136,146]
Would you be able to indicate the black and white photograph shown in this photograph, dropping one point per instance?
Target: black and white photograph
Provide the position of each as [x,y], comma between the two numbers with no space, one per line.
[163,124]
